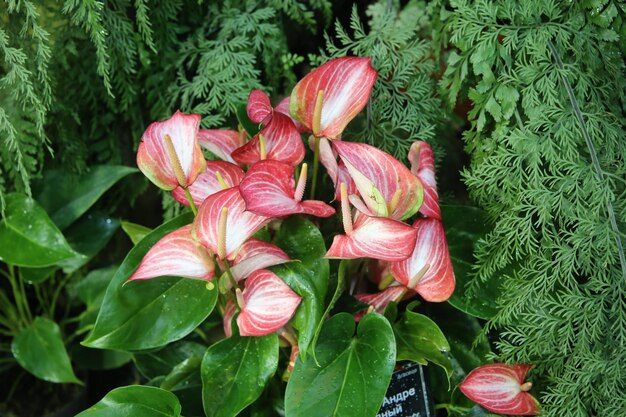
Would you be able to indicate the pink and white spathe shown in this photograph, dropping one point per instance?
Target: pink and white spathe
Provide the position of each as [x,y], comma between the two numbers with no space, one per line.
[371,237]
[329,97]
[269,189]
[278,141]
[256,254]
[386,187]
[176,254]
[221,143]
[229,312]
[218,176]
[428,270]
[169,154]
[500,388]
[423,167]
[380,300]
[266,304]
[223,224]
[260,109]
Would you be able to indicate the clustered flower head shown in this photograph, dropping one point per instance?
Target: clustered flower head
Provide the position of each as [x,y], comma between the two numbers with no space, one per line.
[263,178]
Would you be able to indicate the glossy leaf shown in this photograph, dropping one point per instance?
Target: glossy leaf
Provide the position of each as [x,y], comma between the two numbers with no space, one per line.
[303,242]
[135,232]
[419,339]
[135,401]
[88,236]
[353,372]
[28,237]
[149,314]
[464,226]
[66,197]
[235,372]
[161,362]
[40,350]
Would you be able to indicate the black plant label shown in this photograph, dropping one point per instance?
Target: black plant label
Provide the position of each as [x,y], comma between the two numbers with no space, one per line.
[407,395]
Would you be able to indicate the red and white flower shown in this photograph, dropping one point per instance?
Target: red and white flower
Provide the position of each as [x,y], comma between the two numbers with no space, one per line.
[423,167]
[329,97]
[269,189]
[500,388]
[218,176]
[266,304]
[428,270]
[169,154]
[256,254]
[221,143]
[176,254]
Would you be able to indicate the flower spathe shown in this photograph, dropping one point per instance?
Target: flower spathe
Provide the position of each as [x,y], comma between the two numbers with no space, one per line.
[267,304]
[423,167]
[176,254]
[221,143]
[269,189]
[218,176]
[279,140]
[259,108]
[223,224]
[386,186]
[169,153]
[329,97]
[428,270]
[256,254]
[500,388]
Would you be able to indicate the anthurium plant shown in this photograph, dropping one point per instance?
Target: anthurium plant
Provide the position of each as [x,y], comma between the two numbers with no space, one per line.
[287,288]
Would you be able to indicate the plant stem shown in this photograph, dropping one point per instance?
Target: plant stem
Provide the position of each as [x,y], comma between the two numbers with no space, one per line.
[592,151]
[57,293]
[192,205]
[25,299]
[19,299]
[316,162]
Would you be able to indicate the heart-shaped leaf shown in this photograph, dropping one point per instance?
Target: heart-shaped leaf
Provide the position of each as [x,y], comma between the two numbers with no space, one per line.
[28,237]
[419,339]
[235,372]
[135,232]
[135,401]
[66,197]
[302,241]
[353,372]
[464,225]
[40,350]
[149,314]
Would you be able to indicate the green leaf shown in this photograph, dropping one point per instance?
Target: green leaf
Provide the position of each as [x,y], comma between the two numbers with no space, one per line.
[235,371]
[464,226]
[419,339]
[151,313]
[353,372]
[302,241]
[88,236]
[135,232]
[90,290]
[160,362]
[40,350]
[68,197]
[28,237]
[242,117]
[135,401]
[339,289]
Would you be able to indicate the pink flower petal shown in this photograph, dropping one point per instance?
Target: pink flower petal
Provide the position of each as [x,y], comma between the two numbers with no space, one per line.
[283,107]
[154,159]
[176,254]
[269,304]
[386,173]
[282,143]
[500,388]
[375,237]
[227,321]
[423,167]
[347,83]
[269,189]
[221,143]
[256,254]
[240,224]
[208,183]
[380,300]
[259,107]
[430,257]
